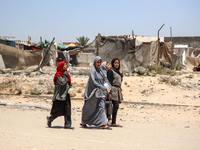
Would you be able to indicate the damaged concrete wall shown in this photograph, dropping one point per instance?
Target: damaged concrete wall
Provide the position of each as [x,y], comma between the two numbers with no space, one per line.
[190,41]
[85,58]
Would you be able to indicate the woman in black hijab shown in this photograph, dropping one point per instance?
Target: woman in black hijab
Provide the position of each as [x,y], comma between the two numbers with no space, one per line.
[115,77]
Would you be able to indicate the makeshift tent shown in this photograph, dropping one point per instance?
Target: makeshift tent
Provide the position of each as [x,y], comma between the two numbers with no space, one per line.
[18,59]
[161,53]
[131,56]
[192,58]
[194,61]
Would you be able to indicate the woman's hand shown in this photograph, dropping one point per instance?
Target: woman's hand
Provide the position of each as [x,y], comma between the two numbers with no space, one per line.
[120,72]
[109,94]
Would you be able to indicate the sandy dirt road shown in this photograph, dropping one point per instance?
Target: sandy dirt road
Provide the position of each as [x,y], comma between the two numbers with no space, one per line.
[148,128]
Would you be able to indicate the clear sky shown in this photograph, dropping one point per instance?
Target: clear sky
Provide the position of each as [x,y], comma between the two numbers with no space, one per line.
[68,19]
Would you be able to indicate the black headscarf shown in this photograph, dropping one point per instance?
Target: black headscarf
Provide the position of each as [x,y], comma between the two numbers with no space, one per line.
[115,69]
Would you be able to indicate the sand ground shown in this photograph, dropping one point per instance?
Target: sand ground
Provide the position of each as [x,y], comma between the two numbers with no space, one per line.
[154,115]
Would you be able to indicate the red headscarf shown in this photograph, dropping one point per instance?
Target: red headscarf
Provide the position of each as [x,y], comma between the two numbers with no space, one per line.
[60,72]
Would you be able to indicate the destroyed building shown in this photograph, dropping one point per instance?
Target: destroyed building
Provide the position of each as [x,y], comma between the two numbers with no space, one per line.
[133,51]
[186,50]
[17,54]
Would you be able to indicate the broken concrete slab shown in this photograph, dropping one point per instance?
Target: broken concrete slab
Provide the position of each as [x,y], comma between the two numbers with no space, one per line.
[2,65]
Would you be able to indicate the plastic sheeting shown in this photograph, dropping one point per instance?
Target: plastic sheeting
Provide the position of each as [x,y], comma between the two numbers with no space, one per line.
[146,54]
[161,53]
[18,59]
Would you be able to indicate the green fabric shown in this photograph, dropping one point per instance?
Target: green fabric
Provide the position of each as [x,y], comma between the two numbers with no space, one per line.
[62,46]
[47,42]
[59,46]
[42,45]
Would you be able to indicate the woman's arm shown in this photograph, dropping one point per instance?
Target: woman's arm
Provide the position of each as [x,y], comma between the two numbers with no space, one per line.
[110,76]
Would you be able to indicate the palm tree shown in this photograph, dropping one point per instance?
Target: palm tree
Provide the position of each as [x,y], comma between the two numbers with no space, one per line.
[82,41]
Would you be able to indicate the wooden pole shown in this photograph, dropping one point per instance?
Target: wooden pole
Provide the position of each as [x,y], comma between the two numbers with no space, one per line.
[133,34]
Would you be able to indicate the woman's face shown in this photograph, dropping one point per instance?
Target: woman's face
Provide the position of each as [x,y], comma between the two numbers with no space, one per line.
[107,66]
[98,63]
[65,67]
[116,64]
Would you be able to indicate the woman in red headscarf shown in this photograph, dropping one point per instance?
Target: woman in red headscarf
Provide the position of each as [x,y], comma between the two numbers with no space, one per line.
[61,99]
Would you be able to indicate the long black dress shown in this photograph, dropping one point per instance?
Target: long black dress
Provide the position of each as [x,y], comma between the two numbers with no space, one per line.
[61,101]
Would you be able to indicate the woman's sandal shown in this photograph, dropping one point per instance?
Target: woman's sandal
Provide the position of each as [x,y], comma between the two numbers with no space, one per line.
[83,126]
[106,127]
[116,125]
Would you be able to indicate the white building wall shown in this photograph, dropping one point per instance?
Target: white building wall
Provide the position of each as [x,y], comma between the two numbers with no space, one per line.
[85,58]
[140,39]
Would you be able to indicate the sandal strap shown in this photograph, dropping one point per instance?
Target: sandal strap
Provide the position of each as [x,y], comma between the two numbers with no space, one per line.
[116,125]
[83,126]
[107,127]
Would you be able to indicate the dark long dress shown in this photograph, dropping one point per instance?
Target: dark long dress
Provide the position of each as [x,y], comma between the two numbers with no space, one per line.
[61,108]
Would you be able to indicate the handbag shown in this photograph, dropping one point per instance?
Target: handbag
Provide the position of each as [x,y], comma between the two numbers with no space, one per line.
[109,106]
